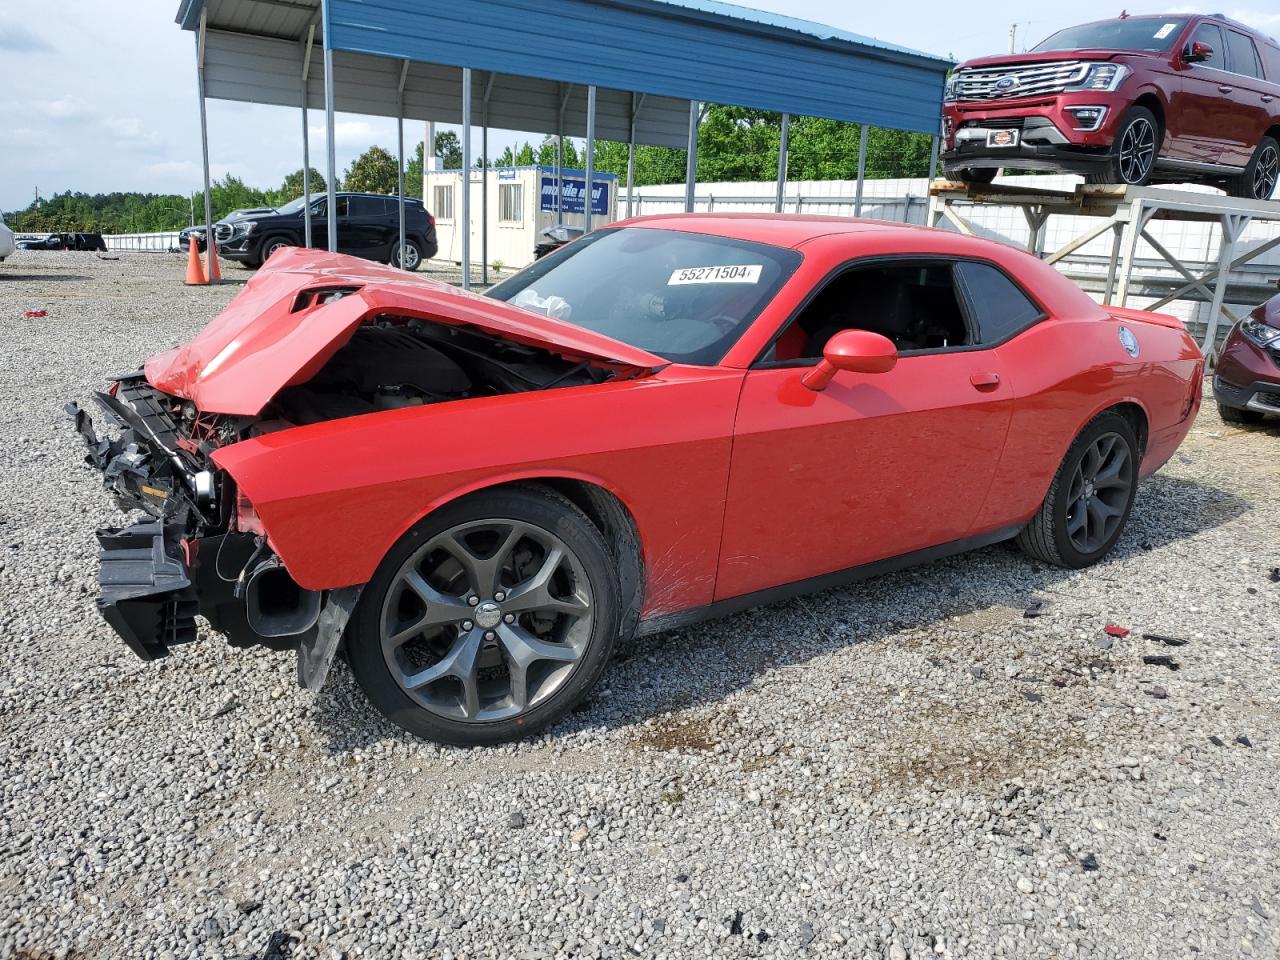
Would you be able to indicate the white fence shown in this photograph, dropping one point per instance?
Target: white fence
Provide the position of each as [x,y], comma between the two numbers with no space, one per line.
[145,242]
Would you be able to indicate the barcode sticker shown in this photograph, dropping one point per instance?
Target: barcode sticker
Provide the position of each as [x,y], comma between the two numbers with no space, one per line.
[1164,31]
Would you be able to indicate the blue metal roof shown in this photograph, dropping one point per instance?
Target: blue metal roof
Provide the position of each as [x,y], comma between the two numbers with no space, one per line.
[702,50]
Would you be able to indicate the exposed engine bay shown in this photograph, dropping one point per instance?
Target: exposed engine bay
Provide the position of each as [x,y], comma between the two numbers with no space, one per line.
[202,548]
[389,364]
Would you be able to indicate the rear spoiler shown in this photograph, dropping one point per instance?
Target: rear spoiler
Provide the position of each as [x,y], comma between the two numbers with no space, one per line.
[1146,316]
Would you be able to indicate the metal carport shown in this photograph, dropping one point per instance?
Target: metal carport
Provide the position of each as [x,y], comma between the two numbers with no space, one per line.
[628,70]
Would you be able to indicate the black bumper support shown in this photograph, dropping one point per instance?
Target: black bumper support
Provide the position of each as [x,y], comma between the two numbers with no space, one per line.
[977,155]
[146,592]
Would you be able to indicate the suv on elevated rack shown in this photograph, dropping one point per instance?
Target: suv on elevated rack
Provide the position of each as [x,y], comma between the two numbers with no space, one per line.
[368,227]
[1181,98]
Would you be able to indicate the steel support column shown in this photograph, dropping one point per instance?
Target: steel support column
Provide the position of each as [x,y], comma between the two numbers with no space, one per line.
[591,159]
[933,157]
[637,99]
[783,146]
[306,137]
[204,134]
[691,161]
[466,178]
[484,180]
[404,75]
[331,204]
[862,170]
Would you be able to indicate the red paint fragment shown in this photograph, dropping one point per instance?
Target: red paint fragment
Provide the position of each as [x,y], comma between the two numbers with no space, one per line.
[1114,631]
[35,314]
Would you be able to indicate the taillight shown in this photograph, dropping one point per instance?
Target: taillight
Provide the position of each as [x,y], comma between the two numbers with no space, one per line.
[431,221]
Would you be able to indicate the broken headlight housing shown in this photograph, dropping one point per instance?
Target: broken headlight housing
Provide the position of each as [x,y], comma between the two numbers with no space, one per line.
[1260,333]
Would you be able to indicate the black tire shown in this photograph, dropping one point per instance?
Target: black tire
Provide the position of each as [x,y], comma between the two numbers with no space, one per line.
[1046,537]
[1258,182]
[413,255]
[971,174]
[270,245]
[1138,136]
[531,506]
[1236,415]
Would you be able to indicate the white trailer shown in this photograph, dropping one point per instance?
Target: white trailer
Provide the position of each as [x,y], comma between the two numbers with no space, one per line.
[518,203]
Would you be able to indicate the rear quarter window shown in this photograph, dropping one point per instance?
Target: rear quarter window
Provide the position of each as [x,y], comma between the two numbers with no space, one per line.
[999,306]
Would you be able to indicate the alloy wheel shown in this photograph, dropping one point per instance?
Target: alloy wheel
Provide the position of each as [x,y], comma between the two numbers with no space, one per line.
[487,620]
[406,256]
[1099,493]
[272,248]
[1265,173]
[1137,150]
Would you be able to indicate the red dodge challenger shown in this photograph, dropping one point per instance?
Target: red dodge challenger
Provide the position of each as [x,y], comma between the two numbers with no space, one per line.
[473,497]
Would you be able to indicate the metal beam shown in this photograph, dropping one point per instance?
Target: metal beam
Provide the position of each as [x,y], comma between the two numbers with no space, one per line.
[306,136]
[691,160]
[466,178]
[862,169]
[331,150]
[933,157]
[591,160]
[637,101]
[783,146]
[209,239]
[404,75]
[484,181]
[564,103]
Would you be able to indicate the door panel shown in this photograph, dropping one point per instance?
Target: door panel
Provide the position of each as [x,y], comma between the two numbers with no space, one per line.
[874,466]
[1209,128]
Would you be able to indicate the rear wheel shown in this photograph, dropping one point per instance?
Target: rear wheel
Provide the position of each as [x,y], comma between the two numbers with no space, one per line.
[1258,182]
[1236,415]
[1090,498]
[412,255]
[489,620]
[1134,150]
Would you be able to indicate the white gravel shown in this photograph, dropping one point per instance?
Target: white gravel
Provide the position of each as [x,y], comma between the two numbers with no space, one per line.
[905,768]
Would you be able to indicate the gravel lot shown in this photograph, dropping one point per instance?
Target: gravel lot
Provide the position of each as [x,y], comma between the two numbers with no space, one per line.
[909,767]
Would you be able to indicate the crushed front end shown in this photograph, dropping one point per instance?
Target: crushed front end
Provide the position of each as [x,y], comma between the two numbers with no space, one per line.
[199,548]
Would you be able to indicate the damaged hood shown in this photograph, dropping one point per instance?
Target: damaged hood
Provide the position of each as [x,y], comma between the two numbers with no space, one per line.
[303,305]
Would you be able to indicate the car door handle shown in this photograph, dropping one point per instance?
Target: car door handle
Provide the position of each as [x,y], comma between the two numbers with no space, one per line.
[985,381]
[1225,89]
[1267,98]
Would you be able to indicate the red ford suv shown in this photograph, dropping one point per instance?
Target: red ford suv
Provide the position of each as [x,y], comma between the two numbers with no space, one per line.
[1154,98]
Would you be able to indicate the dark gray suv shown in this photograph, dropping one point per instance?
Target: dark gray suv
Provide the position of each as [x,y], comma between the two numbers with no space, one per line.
[368,226]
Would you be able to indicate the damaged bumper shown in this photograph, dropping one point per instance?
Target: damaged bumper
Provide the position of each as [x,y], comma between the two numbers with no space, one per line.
[147,595]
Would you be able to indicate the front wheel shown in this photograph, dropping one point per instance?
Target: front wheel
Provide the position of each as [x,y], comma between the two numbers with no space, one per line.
[489,619]
[1237,415]
[1258,182]
[1090,498]
[412,256]
[1133,152]
[271,245]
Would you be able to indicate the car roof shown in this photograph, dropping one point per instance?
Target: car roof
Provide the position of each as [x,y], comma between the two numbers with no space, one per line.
[380,196]
[778,229]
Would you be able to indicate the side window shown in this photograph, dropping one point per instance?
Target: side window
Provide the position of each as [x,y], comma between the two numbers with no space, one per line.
[510,207]
[1210,34]
[443,202]
[1244,56]
[913,304]
[368,207]
[997,307]
[344,206]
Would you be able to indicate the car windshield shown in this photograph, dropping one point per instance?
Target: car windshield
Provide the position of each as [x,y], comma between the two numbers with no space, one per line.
[686,297]
[293,206]
[1152,34]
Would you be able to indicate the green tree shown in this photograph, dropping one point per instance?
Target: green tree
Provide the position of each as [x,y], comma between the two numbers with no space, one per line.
[413,173]
[374,171]
[291,188]
[448,148]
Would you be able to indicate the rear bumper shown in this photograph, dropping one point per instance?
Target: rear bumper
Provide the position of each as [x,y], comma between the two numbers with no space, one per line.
[146,593]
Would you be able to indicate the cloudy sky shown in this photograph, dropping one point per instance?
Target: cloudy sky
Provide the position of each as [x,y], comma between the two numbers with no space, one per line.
[101,96]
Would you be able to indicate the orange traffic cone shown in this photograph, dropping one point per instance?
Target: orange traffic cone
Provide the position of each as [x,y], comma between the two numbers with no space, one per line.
[195,272]
[215,274]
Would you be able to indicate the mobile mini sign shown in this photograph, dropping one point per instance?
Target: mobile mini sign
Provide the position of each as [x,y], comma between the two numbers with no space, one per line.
[573,189]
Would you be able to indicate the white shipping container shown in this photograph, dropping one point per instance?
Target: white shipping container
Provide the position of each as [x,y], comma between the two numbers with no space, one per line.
[521,204]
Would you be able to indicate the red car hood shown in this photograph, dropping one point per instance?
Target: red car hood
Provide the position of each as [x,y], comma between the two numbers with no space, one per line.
[1044,56]
[273,334]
